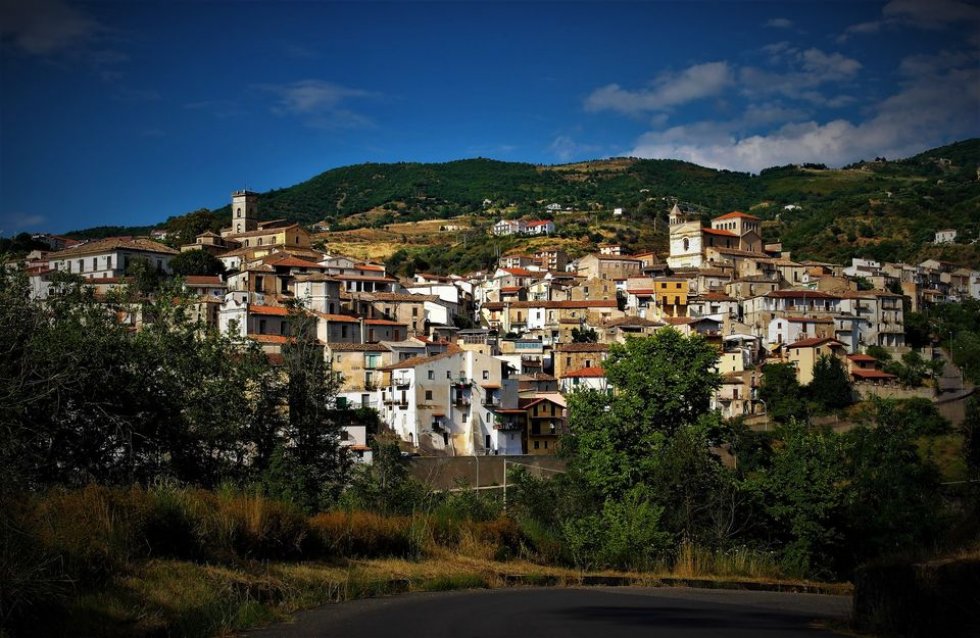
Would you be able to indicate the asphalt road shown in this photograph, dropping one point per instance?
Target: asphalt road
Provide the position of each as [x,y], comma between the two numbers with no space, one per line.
[593,612]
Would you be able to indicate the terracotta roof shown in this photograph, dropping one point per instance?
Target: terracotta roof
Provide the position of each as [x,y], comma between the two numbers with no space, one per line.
[737,214]
[357,347]
[519,272]
[585,373]
[292,262]
[338,318]
[490,386]
[370,267]
[271,311]
[813,342]
[201,280]
[411,362]
[582,347]
[861,357]
[714,296]
[114,243]
[511,288]
[722,233]
[383,322]
[269,338]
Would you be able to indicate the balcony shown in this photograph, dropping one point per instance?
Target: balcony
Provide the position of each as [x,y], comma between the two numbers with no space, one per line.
[508,425]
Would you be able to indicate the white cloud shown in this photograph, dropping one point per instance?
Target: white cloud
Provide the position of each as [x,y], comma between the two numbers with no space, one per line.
[804,71]
[17,222]
[928,111]
[318,103]
[566,149]
[46,27]
[924,14]
[779,23]
[667,90]
[931,14]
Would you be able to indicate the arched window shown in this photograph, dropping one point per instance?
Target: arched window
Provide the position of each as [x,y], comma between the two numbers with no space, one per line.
[238,212]
[687,244]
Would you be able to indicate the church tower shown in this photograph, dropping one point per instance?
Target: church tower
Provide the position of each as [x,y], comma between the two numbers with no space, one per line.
[244,211]
[685,240]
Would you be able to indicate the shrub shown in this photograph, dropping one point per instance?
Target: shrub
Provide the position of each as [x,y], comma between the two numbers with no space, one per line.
[364,534]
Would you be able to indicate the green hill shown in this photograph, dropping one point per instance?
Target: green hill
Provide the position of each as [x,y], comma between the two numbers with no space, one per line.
[885,209]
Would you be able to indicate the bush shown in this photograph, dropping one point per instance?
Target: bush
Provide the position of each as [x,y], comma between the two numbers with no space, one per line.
[365,534]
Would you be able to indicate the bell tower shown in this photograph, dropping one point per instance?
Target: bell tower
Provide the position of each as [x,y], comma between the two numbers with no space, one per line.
[244,211]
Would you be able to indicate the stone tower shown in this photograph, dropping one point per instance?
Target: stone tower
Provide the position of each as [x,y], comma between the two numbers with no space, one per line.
[244,211]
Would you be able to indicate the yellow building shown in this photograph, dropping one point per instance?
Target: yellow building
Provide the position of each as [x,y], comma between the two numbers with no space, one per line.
[805,353]
[670,296]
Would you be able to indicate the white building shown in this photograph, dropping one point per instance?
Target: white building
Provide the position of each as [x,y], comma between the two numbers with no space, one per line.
[110,258]
[945,236]
[458,401]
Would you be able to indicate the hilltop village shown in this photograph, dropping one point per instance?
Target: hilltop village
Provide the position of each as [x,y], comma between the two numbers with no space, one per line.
[480,363]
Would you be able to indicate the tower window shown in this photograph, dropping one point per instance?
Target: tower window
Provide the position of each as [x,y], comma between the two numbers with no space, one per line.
[687,244]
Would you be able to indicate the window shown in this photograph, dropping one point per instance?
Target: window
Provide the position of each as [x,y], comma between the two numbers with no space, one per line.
[428,395]
[261,326]
[537,444]
[343,332]
[449,374]
[238,212]
[415,311]
[687,244]
[432,375]
[486,375]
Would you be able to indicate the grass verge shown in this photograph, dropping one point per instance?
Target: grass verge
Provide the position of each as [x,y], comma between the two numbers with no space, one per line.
[181,598]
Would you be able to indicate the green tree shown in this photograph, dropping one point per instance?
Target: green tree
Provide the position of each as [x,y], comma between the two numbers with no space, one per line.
[309,467]
[385,486]
[196,262]
[830,388]
[662,382]
[805,500]
[782,392]
[893,498]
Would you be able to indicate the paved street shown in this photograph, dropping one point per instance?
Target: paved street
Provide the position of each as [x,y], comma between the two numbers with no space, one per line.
[572,613]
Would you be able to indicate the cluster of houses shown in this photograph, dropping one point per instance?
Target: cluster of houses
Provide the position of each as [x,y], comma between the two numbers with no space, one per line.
[480,363]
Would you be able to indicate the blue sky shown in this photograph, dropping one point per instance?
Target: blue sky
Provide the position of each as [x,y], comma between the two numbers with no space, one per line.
[125,113]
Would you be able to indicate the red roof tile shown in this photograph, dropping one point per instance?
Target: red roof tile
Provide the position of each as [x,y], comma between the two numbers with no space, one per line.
[737,214]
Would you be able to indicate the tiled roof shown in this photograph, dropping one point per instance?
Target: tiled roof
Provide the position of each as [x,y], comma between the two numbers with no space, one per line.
[271,311]
[411,362]
[293,262]
[141,244]
[861,357]
[585,373]
[201,280]
[357,347]
[813,342]
[722,233]
[269,338]
[737,214]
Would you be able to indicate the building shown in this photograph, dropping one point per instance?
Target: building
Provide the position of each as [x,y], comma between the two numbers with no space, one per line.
[111,258]
[459,402]
[805,353]
[945,236]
